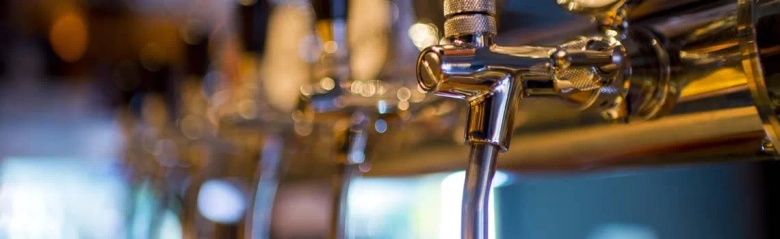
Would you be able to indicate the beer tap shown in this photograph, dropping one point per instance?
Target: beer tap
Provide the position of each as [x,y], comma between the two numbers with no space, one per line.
[493,80]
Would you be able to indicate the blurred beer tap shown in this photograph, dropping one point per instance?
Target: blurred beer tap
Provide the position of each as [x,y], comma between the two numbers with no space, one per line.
[179,140]
[248,133]
[152,155]
[255,123]
[326,99]
[359,97]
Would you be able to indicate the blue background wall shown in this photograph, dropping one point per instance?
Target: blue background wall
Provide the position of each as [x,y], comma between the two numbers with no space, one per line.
[716,201]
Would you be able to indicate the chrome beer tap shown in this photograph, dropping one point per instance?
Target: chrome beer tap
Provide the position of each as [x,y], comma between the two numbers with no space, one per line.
[494,79]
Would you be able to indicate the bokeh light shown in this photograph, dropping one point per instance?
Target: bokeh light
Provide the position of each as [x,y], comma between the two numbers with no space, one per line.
[423,35]
[69,36]
[221,201]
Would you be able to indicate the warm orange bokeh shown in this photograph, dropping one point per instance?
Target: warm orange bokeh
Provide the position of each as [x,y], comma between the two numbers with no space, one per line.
[68,37]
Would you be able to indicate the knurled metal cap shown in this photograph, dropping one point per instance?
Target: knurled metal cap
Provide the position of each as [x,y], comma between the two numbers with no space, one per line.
[580,78]
[460,25]
[452,7]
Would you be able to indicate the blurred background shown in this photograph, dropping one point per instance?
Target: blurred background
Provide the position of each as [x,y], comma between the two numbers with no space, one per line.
[162,118]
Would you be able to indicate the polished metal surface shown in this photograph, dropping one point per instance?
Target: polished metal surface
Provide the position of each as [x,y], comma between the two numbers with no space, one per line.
[685,61]
[706,137]
[491,79]
[450,71]
[687,65]
[476,191]
[696,44]
[702,50]
[759,43]
[680,65]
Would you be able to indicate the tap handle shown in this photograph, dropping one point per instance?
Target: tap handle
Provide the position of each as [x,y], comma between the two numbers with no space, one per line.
[463,25]
[455,7]
[469,17]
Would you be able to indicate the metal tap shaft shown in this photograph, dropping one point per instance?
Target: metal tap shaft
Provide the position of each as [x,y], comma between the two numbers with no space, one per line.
[476,191]
[475,19]
[467,17]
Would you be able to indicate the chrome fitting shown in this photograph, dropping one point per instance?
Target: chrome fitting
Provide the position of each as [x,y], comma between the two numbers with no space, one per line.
[486,78]
[493,79]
